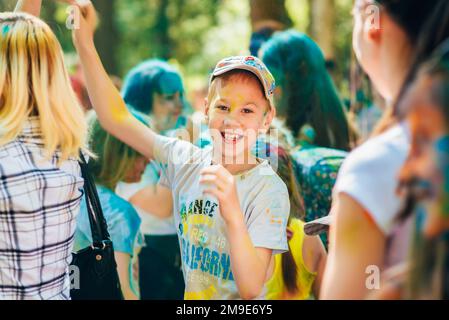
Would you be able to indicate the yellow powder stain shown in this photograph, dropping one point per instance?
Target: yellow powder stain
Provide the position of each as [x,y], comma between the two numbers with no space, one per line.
[206,294]
[185,227]
[119,113]
[200,220]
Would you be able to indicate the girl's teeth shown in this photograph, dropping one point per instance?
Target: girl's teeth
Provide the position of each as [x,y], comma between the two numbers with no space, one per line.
[232,136]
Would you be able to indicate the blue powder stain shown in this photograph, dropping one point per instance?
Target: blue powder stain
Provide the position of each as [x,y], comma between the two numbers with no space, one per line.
[6,29]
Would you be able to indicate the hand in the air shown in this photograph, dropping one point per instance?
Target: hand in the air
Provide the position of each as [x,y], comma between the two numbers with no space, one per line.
[87,22]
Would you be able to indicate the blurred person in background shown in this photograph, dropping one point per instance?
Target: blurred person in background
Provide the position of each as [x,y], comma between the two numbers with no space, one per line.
[155,88]
[298,272]
[114,162]
[311,109]
[425,184]
[364,231]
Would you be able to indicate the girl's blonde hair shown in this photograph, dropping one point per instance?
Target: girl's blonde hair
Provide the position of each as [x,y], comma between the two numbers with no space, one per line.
[113,157]
[34,81]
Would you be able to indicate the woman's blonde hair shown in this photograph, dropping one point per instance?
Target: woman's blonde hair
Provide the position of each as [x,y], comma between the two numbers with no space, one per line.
[34,81]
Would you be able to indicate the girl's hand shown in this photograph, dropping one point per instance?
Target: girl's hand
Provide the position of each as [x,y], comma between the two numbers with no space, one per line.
[87,23]
[221,184]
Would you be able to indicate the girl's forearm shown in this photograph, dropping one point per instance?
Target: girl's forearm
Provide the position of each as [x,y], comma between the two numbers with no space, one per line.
[123,260]
[248,266]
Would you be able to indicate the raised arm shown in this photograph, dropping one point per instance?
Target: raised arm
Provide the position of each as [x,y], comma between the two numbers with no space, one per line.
[29,6]
[107,102]
[112,112]
[33,7]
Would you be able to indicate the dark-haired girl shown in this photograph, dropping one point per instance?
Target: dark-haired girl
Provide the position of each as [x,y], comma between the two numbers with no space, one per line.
[310,107]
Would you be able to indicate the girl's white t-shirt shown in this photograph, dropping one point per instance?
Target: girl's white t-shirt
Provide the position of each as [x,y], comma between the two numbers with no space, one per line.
[370,175]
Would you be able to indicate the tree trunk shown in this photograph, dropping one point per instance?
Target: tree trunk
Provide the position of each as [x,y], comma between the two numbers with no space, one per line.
[162,31]
[269,13]
[107,35]
[322,25]
[48,13]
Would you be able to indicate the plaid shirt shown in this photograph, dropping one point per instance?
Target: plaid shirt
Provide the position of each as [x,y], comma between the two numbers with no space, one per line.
[39,203]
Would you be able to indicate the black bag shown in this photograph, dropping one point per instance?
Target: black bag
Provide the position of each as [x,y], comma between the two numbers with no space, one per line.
[95,265]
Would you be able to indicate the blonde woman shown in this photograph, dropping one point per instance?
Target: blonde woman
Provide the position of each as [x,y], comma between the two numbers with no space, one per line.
[42,131]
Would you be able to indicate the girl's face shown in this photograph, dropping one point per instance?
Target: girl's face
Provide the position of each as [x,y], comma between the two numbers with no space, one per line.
[166,110]
[238,112]
[135,172]
[365,48]
[429,154]
[379,44]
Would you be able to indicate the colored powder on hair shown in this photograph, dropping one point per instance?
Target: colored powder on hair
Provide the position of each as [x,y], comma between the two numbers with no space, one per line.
[442,152]
[5,29]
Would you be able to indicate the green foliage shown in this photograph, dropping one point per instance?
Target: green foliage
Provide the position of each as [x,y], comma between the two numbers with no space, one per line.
[343,45]
[194,34]
[7,5]
[300,13]
[199,33]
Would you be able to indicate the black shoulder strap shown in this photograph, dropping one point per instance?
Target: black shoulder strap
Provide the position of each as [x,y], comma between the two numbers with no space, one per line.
[98,225]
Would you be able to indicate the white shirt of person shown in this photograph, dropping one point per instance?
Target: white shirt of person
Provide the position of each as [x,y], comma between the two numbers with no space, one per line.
[204,246]
[370,175]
